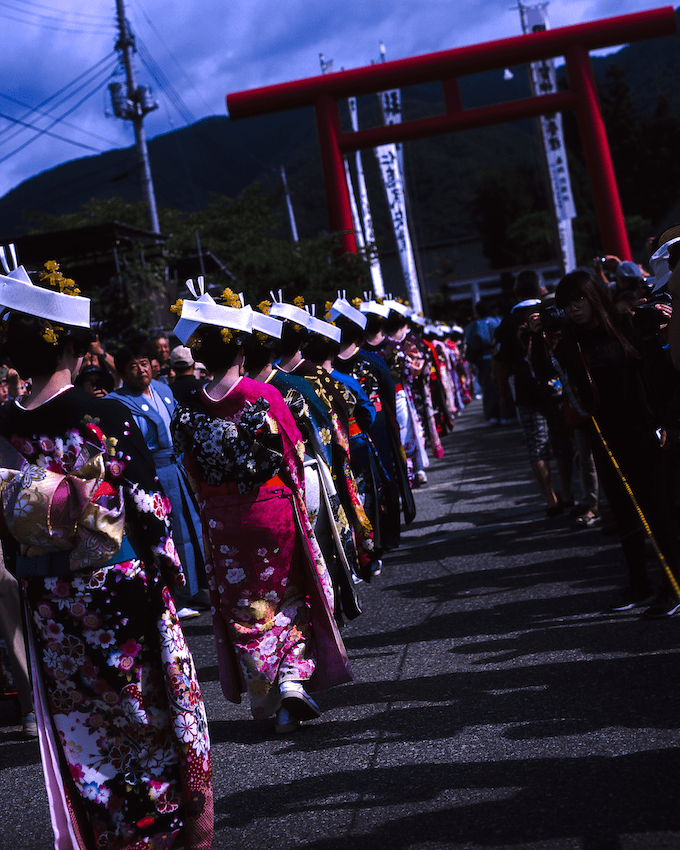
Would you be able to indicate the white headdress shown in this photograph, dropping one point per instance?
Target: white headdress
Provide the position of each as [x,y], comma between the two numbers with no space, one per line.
[342,307]
[62,304]
[206,311]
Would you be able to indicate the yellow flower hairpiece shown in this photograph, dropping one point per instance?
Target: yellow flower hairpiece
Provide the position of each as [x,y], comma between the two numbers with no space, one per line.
[263,338]
[177,307]
[356,302]
[55,278]
[49,334]
[194,342]
[226,335]
[327,306]
[299,301]
[230,299]
[264,307]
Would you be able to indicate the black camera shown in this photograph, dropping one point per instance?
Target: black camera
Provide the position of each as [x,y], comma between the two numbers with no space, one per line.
[647,318]
[552,318]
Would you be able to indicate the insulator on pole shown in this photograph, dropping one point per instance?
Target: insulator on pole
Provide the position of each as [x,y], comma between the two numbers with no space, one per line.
[123,107]
[145,99]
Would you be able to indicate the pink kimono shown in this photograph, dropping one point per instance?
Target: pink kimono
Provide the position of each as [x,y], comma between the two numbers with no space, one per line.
[271,594]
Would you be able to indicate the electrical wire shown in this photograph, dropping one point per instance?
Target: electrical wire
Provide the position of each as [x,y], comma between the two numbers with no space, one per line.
[159,76]
[41,132]
[58,93]
[47,132]
[72,12]
[171,55]
[42,22]
[49,115]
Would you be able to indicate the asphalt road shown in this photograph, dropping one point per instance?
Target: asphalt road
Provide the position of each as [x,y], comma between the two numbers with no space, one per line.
[496,705]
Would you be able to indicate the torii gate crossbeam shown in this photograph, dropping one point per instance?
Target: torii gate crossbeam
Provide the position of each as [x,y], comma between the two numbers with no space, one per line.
[574,43]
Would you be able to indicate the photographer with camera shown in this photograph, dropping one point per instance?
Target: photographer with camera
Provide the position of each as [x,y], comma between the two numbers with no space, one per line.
[538,401]
[601,357]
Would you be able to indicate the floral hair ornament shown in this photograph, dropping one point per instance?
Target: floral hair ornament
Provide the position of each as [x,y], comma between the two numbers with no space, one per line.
[294,312]
[18,292]
[325,329]
[205,311]
[342,307]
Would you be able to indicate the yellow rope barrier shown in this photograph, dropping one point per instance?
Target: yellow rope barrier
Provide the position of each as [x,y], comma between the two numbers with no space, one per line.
[643,519]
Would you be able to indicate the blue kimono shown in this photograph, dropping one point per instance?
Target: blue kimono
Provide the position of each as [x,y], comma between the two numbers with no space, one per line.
[152,414]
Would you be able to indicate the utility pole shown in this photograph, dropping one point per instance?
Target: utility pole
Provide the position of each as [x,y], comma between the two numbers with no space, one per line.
[133,105]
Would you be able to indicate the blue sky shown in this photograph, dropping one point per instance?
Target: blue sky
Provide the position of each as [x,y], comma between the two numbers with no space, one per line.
[193,53]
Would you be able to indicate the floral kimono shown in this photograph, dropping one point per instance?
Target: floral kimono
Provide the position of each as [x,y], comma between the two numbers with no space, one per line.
[395,354]
[123,730]
[374,376]
[270,590]
[443,360]
[329,520]
[339,402]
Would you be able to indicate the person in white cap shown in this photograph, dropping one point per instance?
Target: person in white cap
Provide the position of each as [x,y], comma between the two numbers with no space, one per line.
[124,737]
[272,597]
[185,381]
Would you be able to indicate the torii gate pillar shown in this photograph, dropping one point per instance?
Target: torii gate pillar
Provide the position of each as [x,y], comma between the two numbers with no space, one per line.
[573,42]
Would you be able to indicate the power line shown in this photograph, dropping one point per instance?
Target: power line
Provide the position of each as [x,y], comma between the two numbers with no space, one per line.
[159,76]
[171,55]
[57,119]
[72,12]
[72,83]
[46,129]
[41,22]
[46,132]
[49,115]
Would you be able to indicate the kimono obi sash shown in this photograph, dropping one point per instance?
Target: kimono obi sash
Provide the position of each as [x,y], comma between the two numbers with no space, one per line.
[163,458]
[230,488]
[76,513]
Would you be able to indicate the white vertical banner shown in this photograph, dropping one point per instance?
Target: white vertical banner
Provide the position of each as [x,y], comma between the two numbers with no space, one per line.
[544,81]
[388,160]
[391,161]
[358,229]
[366,217]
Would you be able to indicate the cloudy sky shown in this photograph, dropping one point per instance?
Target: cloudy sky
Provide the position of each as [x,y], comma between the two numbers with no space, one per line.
[59,58]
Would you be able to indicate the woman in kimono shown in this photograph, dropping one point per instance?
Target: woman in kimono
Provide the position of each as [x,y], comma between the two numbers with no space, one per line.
[270,590]
[122,726]
[329,520]
[405,363]
[342,407]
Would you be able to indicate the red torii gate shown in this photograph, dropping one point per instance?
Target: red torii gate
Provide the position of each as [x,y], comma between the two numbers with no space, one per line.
[574,43]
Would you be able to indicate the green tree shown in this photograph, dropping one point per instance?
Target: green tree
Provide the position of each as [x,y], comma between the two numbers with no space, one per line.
[240,232]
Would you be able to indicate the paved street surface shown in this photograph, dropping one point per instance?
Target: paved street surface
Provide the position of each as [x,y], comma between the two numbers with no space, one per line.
[495,705]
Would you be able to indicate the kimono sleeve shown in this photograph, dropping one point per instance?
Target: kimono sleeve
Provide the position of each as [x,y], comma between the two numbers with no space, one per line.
[148,512]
